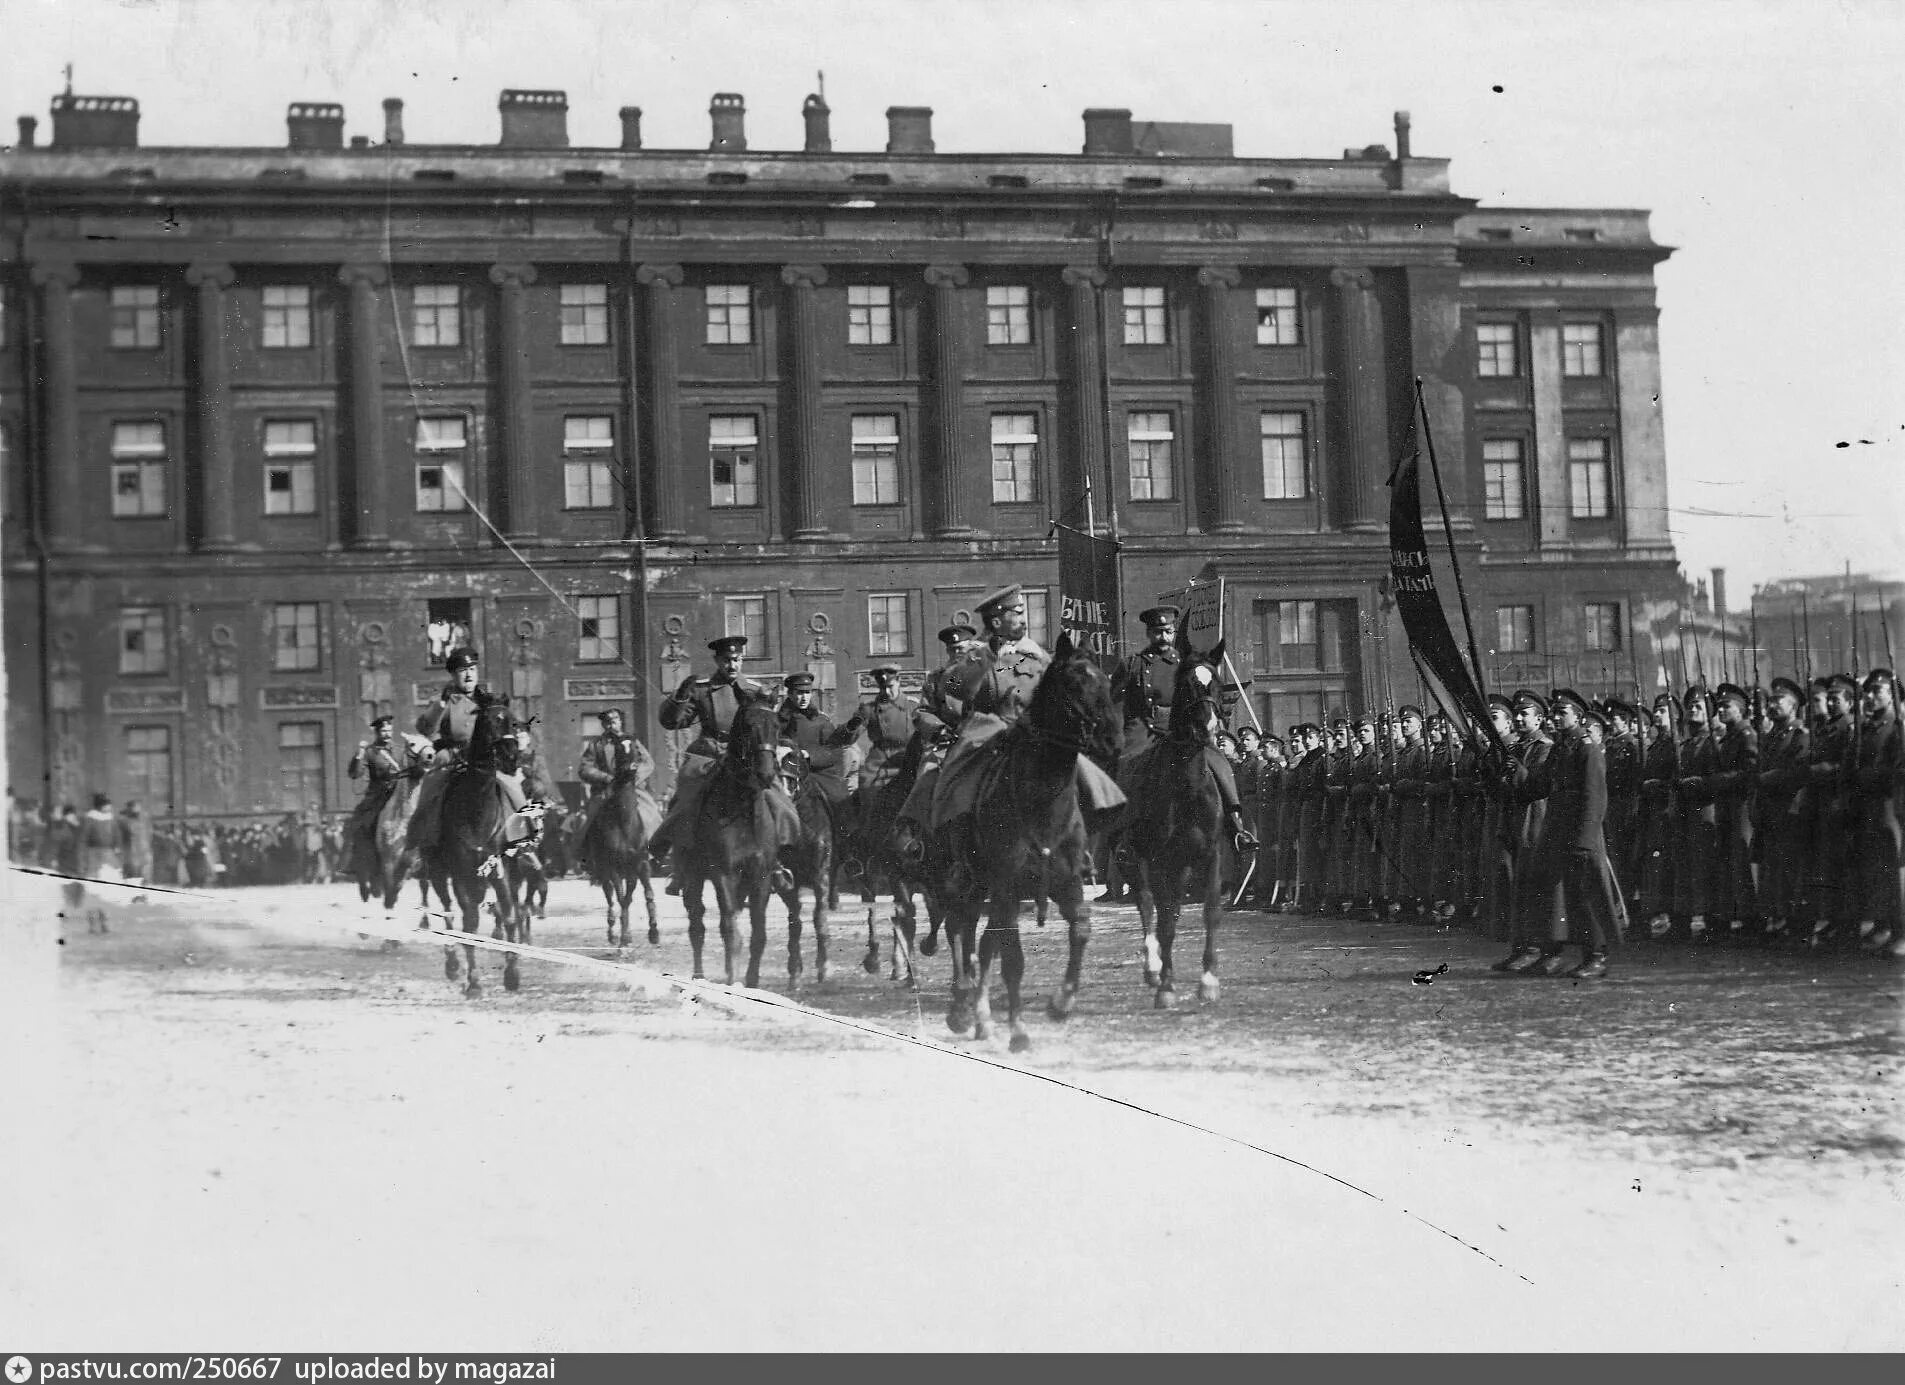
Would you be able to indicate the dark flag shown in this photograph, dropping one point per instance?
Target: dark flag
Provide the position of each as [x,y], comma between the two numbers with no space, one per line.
[1088,591]
[1431,641]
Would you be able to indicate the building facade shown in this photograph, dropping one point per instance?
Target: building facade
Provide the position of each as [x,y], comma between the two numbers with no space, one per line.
[283,425]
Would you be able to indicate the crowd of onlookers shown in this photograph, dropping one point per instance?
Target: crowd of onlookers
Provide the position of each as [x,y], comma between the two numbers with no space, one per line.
[109,843]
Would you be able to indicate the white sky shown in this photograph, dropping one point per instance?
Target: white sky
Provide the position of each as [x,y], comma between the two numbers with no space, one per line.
[1766,138]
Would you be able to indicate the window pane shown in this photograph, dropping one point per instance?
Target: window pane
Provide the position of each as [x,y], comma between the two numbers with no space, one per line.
[1514,629]
[138,440]
[435,316]
[1150,439]
[440,434]
[1284,453]
[1496,349]
[1008,315]
[287,316]
[1581,348]
[747,615]
[1588,478]
[290,488]
[135,316]
[142,639]
[1276,317]
[440,486]
[294,635]
[1144,316]
[730,316]
[734,474]
[869,315]
[148,760]
[1014,459]
[876,468]
[1038,617]
[887,631]
[1503,479]
[601,628]
[300,765]
[585,314]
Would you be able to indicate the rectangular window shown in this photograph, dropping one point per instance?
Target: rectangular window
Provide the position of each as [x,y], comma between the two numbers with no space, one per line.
[1587,478]
[138,470]
[441,445]
[1144,316]
[585,314]
[887,631]
[730,315]
[1286,472]
[448,626]
[1008,315]
[601,618]
[436,317]
[876,459]
[142,639]
[1601,626]
[1014,459]
[294,635]
[734,477]
[1502,479]
[149,768]
[135,316]
[1495,350]
[588,462]
[1296,634]
[747,615]
[1514,629]
[1038,617]
[1151,441]
[869,315]
[1581,348]
[1276,317]
[290,467]
[300,765]
[287,315]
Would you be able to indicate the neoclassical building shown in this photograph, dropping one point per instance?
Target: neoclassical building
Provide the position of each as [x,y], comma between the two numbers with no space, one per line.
[282,423]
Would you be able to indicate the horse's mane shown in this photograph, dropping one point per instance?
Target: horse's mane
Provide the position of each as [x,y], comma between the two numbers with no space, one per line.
[1071,703]
[1197,687]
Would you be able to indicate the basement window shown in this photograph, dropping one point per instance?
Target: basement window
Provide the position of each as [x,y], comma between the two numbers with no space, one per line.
[1277,184]
[1495,233]
[1581,233]
[1008,180]
[434,175]
[584,176]
[871,180]
[727,180]
[281,175]
[1144,182]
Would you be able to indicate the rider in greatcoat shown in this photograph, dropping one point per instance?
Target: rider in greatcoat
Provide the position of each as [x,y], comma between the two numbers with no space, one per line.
[384,764]
[450,721]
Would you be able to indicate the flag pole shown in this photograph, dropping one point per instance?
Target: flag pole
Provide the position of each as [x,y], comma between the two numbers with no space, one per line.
[1448,532]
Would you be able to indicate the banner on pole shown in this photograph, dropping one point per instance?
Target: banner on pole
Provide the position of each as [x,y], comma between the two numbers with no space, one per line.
[1202,618]
[1088,592]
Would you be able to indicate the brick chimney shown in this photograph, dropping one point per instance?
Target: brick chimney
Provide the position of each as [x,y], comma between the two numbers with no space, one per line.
[909,129]
[393,120]
[631,127]
[27,126]
[1402,134]
[314,125]
[1719,591]
[1107,131]
[99,122]
[728,112]
[815,112]
[534,119]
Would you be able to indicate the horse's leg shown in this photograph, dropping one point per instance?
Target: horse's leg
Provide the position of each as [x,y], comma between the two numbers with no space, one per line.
[1170,904]
[515,920]
[757,930]
[1011,954]
[791,899]
[724,903]
[960,944]
[870,963]
[1147,918]
[935,916]
[1213,916]
[697,917]
[470,902]
[648,897]
[1069,896]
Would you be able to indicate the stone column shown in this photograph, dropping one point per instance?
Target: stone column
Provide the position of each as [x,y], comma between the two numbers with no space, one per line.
[370,522]
[1220,471]
[217,532]
[519,474]
[809,518]
[1360,481]
[1087,453]
[667,467]
[60,474]
[945,515]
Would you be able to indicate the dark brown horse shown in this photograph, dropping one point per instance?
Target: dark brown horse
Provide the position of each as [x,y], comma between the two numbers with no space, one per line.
[1174,837]
[736,840]
[614,848]
[1027,824]
[808,864]
[869,855]
[468,854]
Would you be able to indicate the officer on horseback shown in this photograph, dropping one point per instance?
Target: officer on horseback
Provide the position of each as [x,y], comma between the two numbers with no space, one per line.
[939,711]
[888,719]
[380,759]
[450,722]
[813,735]
[603,758]
[1144,681]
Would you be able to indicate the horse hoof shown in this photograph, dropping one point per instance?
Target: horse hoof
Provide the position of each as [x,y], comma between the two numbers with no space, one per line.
[654,936]
[392,945]
[1207,990]
[1060,1005]
[511,979]
[820,974]
[959,1020]
[870,964]
[496,933]
[1020,1041]
[451,967]
[1166,999]
[1150,978]
[753,982]
[928,945]
[472,991]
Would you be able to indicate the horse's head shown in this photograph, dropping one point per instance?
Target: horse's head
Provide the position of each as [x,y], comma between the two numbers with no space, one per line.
[1197,700]
[1072,704]
[494,743]
[753,737]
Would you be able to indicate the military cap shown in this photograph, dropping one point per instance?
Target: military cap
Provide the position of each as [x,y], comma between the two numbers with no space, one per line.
[1784,684]
[1699,692]
[798,682]
[1158,615]
[1274,740]
[460,658]
[888,667]
[1843,680]
[1528,697]
[1409,709]
[1571,697]
[1667,700]
[1591,714]
[376,722]
[1003,596]
[1822,682]
[1732,692]
[953,634]
[1339,718]
[1881,677]
[1499,700]
[728,644]
[1619,707]
[100,800]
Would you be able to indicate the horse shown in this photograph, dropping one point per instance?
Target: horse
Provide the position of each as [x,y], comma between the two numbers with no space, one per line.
[613,850]
[870,855]
[1027,823]
[736,843]
[809,862]
[1176,843]
[468,852]
[384,862]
